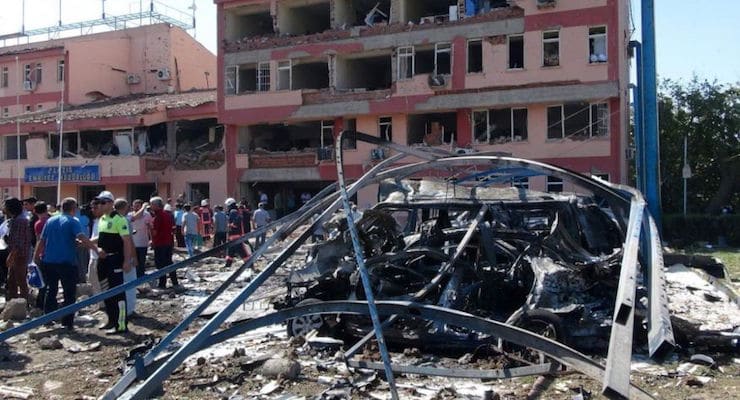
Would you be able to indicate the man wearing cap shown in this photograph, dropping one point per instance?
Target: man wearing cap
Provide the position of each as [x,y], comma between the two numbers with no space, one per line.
[18,240]
[113,238]
[56,253]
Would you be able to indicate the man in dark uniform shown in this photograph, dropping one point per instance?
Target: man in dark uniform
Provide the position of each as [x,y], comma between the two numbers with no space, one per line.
[112,232]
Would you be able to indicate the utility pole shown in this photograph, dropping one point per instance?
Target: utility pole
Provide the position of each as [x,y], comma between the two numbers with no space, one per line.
[650,114]
[686,172]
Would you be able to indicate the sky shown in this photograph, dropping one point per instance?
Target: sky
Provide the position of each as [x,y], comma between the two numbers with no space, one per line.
[701,38]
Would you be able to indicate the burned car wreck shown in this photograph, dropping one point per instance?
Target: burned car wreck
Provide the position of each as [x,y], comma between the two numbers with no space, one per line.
[542,261]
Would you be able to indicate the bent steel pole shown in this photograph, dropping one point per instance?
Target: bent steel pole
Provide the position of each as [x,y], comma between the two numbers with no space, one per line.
[638,106]
[365,276]
[154,381]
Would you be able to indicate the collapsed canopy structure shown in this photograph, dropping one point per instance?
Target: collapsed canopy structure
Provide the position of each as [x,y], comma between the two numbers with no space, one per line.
[463,259]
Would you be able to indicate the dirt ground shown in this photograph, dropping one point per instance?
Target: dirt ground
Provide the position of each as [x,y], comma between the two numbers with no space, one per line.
[89,362]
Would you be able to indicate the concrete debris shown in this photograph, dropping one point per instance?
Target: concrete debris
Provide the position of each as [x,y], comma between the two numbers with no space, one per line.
[84,289]
[280,368]
[74,346]
[51,386]
[323,343]
[702,359]
[15,309]
[11,392]
[50,343]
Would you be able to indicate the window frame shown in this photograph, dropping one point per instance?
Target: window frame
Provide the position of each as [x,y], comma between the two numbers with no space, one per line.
[593,124]
[6,112]
[511,124]
[438,51]
[281,67]
[232,86]
[553,181]
[508,53]
[403,53]
[60,70]
[467,58]
[263,76]
[5,79]
[546,41]
[39,73]
[54,154]
[561,120]
[5,149]
[326,124]
[385,121]
[593,36]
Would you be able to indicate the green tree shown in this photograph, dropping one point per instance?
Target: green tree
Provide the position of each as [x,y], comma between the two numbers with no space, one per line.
[708,114]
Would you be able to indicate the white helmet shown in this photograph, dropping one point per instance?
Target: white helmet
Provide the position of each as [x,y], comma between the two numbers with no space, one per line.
[229,202]
[204,202]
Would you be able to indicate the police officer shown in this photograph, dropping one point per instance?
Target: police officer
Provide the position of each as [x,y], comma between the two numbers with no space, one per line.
[112,238]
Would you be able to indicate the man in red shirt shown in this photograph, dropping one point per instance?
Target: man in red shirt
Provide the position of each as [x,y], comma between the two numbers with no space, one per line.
[162,240]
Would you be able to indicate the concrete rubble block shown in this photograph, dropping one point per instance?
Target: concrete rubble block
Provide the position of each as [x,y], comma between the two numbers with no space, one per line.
[15,309]
[280,367]
[50,343]
[702,359]
[51,386]
[14,392]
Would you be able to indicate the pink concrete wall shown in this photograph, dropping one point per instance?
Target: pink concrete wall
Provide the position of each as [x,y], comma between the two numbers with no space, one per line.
[194,61]
[48,83]
[96,65]
[574,65]
[263,99]
[178,181]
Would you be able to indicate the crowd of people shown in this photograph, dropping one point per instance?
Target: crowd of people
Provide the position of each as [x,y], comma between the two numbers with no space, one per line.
[106,242]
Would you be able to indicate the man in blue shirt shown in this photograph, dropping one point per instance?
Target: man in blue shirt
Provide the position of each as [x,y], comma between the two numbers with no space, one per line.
[56,253]
[220,226]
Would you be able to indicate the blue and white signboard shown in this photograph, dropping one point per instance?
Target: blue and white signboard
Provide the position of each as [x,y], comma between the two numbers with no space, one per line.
[70,173]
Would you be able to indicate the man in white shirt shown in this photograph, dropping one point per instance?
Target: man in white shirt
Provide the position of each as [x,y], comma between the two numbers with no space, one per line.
[141,223]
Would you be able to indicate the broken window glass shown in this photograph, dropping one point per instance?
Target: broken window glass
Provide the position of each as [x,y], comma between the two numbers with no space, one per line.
[385,125]
[442,59]
[500,125]
[516,51]
[550,48]
[69,145]
[597,44]
[555,122]
[231,76]
[475,56]
[519,124]
[424,61]
[599,119]
[480,126]
[405,62]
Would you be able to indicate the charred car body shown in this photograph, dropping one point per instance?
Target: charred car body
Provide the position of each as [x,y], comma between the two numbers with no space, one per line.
[546,262]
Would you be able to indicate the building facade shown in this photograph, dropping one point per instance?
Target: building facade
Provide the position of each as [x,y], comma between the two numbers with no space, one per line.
[139,107]
[541,79]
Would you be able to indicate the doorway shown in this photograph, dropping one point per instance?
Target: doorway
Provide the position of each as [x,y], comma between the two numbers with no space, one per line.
[198,191]
[142,191]
[47,194]
[88,193]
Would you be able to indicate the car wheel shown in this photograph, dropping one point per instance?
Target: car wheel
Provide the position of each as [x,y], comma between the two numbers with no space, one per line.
[301,326]
[543,323]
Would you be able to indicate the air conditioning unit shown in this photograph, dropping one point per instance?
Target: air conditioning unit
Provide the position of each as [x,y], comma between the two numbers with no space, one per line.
[163,74]
[28,85]
[546,3]
[133,79]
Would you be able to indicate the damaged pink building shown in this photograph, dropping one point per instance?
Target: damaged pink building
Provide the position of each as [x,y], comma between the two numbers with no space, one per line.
[139,116]
[541,79]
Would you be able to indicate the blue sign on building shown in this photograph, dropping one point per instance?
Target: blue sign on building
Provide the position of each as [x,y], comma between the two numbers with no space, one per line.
[70,173]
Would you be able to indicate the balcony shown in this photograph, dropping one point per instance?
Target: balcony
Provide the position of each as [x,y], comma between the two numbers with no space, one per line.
[300,145]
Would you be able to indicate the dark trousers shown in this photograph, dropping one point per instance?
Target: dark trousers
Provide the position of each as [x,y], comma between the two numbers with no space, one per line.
[179,238]
[110,275]
[219,238]
[162,259]
[140,261]
[67,275]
